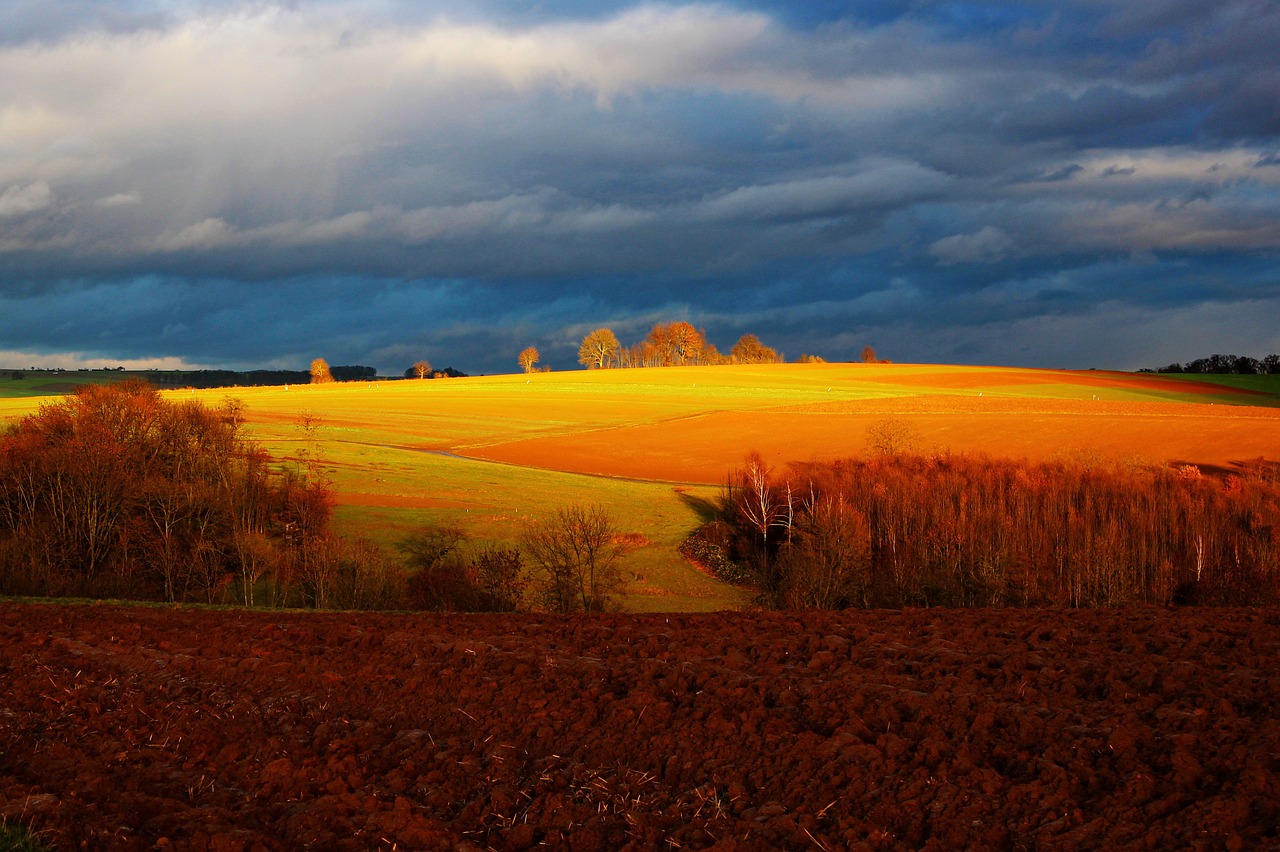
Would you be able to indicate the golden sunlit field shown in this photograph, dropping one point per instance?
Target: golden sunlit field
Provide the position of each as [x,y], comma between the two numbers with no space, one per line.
[654,445]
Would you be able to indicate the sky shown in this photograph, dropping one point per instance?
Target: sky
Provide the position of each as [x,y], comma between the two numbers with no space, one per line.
[249,183]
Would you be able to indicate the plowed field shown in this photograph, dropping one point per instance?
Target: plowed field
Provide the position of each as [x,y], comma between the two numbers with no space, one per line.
[138,728]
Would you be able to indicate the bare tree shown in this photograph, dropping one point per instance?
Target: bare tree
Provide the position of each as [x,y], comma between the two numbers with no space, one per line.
[869,355]
[422,369]
[892,437]
[320,372]
[575,554]
[527,358]
[755,498]
[829,565]
[599,349]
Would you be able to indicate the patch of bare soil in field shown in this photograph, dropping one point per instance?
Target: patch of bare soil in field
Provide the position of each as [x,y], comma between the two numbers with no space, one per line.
[136,728]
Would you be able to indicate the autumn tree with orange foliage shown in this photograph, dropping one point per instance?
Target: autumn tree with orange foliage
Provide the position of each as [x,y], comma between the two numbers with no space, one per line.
[749,350]
[675,344]
[320,372]
[672,344]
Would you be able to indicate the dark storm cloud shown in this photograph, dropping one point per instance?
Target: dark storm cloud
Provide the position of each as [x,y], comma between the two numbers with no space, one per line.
[251,183]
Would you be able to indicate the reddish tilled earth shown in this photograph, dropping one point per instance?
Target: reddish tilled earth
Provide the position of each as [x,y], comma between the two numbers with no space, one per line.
[141,728]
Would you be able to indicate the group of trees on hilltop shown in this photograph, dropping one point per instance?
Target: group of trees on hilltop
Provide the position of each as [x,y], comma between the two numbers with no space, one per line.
[668,345]
[1225,365]
[900,529]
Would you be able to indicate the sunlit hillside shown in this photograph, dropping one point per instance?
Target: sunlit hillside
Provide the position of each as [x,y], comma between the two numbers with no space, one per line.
[654,445]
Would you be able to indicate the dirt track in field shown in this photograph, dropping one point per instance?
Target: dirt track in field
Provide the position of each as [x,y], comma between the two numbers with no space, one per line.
[137,728]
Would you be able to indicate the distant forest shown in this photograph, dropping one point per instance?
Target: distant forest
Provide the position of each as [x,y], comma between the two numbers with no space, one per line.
[1240,365]
[252,378]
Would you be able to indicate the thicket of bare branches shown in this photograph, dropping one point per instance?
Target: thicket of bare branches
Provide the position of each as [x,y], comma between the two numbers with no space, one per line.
[574,554]
[900,530]
[450,576]
[115,491]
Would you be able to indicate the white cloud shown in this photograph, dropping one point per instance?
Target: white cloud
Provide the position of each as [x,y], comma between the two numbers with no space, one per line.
[344,227]
[876,184]
[19,200]
[120,199]
[11,359]
[985,246]
[215,232]
[207,234]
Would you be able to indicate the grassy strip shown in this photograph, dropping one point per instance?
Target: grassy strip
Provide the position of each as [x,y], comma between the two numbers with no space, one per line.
[16,838]
[1262,384]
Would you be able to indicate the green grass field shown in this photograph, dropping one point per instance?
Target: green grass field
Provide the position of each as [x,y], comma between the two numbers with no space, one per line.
[36,383]
[1262,384]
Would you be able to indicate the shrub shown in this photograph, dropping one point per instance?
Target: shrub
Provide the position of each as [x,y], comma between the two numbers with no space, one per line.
[707,549]
[445,577]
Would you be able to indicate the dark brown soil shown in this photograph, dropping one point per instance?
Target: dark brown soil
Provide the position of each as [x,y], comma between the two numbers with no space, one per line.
[136,728]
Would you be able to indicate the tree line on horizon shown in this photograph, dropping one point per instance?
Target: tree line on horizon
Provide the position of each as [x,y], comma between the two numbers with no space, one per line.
[254,378]
[1225,365]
